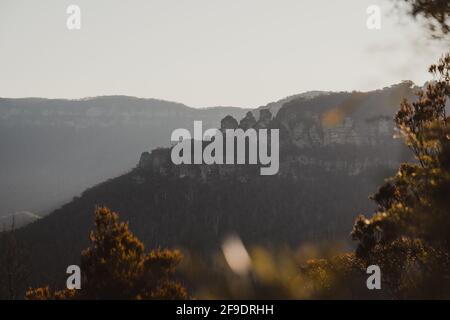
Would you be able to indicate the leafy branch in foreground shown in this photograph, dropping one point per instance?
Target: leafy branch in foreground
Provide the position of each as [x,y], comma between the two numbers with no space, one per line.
[435,12]
[409,234]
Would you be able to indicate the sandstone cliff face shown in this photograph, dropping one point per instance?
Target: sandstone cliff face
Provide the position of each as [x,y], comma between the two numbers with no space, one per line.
[359,119]
[248,121]
[350,132]
[159,161]
[311,132]
[344,131]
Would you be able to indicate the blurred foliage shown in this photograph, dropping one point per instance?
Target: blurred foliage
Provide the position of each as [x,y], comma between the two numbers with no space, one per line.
[408,237]
[116,266]
[283,273]
[435,13]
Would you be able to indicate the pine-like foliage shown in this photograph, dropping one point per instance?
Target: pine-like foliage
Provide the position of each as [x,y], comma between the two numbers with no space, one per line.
[116,266]
[409,234]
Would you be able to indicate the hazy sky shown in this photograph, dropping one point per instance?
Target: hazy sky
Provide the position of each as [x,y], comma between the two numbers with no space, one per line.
[205,52]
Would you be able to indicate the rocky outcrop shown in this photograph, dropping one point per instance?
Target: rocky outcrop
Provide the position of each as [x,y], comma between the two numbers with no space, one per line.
[228,123]
[350,132]
[158,161]
[248,121]
[265,117]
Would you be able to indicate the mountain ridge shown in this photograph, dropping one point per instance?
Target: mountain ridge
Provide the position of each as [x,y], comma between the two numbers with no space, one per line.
[194,207]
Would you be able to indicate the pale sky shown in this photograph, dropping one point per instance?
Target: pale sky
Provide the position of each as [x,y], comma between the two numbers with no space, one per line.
[202,53]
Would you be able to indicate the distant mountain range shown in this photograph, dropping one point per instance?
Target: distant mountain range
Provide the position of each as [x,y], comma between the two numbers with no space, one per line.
[52,149]
[273,107]
[336,148]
